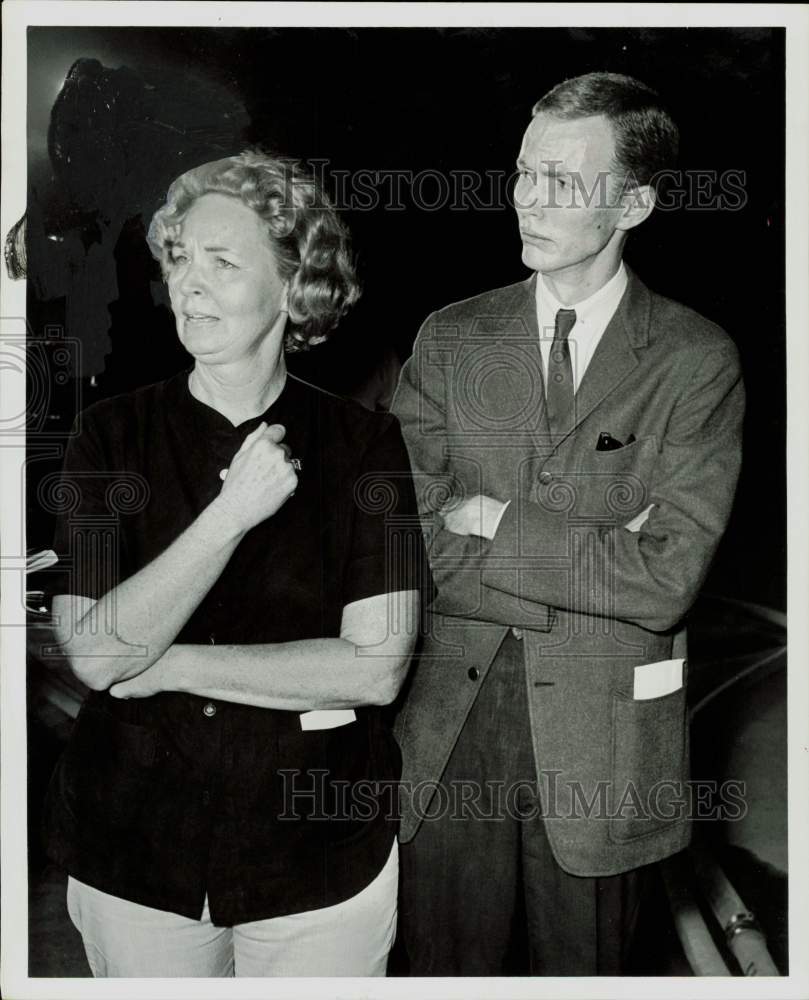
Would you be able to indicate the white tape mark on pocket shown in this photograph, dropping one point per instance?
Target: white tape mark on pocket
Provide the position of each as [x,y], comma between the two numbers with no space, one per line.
[327,718]
[652,680]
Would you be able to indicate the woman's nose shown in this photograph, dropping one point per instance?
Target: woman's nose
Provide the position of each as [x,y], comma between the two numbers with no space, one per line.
[192,279]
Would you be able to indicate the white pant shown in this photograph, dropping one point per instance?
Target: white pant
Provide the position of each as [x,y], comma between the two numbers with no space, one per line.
[352,938]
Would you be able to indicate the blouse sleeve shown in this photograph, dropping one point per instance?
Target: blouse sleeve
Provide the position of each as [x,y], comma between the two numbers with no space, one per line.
[86,499]
[386,551]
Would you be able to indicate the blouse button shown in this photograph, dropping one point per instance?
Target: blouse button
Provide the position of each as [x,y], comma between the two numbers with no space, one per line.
[209,710]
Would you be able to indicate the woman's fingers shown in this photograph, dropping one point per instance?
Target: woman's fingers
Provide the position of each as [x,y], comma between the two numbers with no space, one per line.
[261,477]
[274,433]
[253,436]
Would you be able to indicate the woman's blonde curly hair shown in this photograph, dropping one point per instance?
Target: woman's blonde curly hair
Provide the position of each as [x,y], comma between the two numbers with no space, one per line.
[310,243]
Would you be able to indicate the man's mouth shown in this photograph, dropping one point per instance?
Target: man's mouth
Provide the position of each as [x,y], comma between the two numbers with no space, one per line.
[532,237]
[200,318]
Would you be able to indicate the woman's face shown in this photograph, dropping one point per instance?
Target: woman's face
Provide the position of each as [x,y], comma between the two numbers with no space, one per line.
[223,281]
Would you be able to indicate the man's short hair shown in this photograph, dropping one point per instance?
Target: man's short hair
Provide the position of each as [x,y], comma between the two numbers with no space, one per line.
[646,138]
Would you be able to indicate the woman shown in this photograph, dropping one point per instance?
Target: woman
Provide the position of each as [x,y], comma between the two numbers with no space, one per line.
[239,606]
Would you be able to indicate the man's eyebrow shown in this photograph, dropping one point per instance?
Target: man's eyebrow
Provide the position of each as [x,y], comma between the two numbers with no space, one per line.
[551,168]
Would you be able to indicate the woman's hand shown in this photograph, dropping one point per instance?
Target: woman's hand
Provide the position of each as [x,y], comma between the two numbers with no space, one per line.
[145,684]
[261,478]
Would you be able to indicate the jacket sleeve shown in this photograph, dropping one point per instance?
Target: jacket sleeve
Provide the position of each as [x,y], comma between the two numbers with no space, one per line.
[455,561]
[652,576]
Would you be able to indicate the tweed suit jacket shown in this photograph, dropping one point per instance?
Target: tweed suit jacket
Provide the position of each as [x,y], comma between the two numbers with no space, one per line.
[594,598]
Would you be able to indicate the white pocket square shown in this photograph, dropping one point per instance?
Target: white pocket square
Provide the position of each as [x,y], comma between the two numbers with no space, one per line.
[638,522]
[327,718]
[655,679]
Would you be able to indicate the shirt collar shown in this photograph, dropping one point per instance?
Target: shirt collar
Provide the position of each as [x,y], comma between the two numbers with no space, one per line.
[596,310]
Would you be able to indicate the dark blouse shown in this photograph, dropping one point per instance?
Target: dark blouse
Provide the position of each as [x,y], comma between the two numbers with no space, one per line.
[160,800]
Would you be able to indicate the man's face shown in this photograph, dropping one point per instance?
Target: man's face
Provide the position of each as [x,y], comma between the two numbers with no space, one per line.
[564,196]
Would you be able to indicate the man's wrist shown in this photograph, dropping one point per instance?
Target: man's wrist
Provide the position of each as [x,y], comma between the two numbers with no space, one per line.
[491,514]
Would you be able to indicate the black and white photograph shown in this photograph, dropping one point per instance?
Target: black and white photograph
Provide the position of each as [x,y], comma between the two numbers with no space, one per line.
[403,465]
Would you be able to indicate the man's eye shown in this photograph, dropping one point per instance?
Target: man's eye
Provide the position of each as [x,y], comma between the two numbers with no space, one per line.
[224,264]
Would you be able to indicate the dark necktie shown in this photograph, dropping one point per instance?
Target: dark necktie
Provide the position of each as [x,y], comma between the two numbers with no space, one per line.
[559,383]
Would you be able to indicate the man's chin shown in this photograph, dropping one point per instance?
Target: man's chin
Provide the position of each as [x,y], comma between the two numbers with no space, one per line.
[534,258]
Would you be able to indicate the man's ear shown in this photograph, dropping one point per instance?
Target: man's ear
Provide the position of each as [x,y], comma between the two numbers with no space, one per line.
[637,204]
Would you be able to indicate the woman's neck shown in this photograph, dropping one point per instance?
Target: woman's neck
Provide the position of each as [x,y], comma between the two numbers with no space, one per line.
[238,391]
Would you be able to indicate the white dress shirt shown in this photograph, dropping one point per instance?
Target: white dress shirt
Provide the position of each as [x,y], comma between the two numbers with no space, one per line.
[592,318]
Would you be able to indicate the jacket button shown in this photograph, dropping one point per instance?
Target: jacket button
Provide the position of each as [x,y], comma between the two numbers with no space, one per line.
[473,673]
[209,709]
[545,478]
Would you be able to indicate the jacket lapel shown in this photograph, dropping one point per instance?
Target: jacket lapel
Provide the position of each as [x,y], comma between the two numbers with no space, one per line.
[524,305]
[615,357]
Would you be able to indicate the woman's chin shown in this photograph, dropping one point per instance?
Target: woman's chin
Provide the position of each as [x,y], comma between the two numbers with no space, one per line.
[202,342]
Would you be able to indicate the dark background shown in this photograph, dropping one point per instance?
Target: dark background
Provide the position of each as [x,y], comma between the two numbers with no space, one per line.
[104,146]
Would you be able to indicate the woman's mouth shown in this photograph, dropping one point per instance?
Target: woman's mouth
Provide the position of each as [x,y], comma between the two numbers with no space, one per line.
[200,318]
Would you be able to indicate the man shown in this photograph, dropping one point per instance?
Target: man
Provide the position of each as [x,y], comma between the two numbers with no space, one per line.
[575,440]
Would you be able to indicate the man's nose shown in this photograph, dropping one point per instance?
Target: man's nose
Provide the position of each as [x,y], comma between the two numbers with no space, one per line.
[531,203]
[527,198]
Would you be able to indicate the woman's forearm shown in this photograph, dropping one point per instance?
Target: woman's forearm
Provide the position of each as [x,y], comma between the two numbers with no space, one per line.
[133,625]
[293,676]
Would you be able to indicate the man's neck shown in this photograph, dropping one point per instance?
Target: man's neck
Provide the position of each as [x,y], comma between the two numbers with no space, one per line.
[573,284]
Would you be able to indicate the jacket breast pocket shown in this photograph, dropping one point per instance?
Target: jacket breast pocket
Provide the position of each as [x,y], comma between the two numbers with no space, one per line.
[620,480]
[108,770]
[649,764]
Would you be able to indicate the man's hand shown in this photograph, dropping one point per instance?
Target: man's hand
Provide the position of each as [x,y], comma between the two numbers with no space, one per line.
[477,515]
